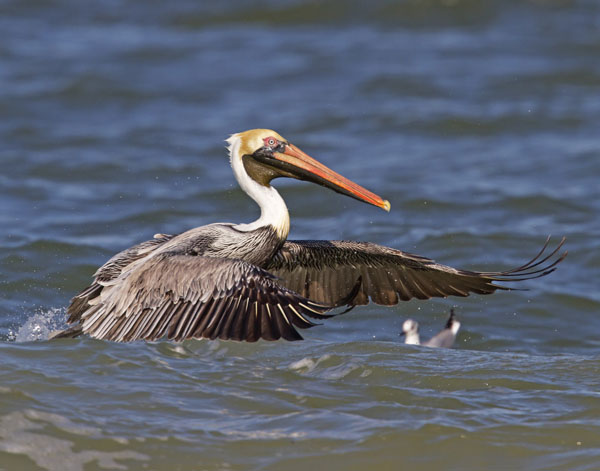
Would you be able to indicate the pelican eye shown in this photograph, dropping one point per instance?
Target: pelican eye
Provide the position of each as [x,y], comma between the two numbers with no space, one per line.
[270,142]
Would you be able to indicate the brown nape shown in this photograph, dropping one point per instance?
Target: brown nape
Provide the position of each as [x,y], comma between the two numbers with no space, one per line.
[261,173]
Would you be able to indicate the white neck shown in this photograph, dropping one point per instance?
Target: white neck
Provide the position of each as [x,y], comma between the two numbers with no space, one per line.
[412,338]
[273,211]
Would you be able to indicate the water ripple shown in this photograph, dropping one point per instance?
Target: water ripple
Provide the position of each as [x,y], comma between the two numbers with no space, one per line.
[477,120]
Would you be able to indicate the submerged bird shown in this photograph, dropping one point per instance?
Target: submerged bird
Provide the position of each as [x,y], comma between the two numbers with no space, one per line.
[246,281]
[443,339]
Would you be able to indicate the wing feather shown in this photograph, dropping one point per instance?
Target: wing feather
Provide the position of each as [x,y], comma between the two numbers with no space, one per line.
[329,269]
[111,270]
[184,296]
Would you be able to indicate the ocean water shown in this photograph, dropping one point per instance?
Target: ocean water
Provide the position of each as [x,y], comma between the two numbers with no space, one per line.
[477,120]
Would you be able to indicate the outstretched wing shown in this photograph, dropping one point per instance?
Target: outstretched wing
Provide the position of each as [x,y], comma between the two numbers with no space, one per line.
[111,270]
[326,271]
[183,296]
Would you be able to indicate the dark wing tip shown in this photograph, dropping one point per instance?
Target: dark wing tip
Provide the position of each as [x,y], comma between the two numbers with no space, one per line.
[69,333]
[537,267]
[450,319]
[266,311]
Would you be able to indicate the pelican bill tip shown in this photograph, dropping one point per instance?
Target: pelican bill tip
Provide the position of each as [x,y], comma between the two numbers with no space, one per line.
[386,205]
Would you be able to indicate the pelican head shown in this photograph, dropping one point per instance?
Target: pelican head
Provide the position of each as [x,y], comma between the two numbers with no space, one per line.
[263,155]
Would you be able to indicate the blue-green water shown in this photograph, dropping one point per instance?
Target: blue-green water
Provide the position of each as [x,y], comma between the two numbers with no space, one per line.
[477,120]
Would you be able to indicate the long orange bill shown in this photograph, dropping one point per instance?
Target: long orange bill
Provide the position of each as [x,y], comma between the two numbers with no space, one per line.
[305,167]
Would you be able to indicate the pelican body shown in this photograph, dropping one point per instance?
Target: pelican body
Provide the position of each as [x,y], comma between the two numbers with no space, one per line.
[247,281]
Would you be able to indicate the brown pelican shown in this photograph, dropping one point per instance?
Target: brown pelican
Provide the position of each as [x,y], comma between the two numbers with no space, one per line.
[246,281]
[443,339]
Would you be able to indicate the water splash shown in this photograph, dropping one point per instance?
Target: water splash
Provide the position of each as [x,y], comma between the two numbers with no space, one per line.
[39,326]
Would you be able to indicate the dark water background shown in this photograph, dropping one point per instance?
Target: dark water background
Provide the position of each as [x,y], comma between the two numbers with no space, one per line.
[478,120]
